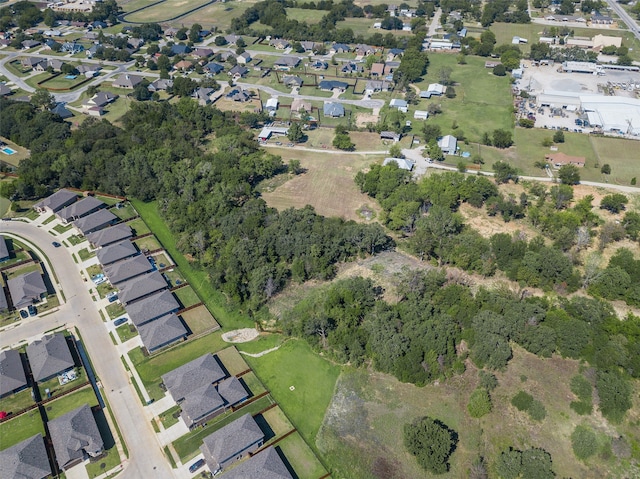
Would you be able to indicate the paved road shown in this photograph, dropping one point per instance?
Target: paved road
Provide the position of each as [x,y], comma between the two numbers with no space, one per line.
[626,18]
[146,458]
[435,23]
[271,91]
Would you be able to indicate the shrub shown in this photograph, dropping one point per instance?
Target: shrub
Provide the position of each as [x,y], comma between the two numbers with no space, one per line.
[479,403]
[537,411]
[488,380]
[522,401]
[584,442]
[432,442]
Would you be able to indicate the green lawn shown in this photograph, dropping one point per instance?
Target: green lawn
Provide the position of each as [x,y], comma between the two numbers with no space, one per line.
[150,369]
[262,343]
[187,446]
[85,254]
[199,320]
[62,228]
[138,226]
[68,403]
[104,289]
[126,332]
[75,239]
[115,310]
[305,15]
[20,428]
[27,268]
[197,278]
[304,462]
[254,384]
[313,378]
[164,11]
[16,402]
[170,417]
[106,462]
[149,243]
[232,360]
[125,212]
[187,296]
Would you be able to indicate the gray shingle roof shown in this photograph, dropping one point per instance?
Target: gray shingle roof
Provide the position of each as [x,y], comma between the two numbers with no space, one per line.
[127,269]
[266,465]
[49,356]
[81,208]
[193,375]
[26,288]
[200,403]
[58,200]
[116,252]
[95,221]
[141,286]
[26,460]
[231,440]
[232,391]
[152,307]
[110,235]
[3,300]
[75,434]
[161,332]
[4,250]
[12,375]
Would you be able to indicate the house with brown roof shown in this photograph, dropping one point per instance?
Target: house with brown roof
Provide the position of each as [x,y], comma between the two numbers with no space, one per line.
[560,159]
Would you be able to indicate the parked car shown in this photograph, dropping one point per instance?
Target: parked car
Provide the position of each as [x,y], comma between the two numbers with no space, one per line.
[56,244]
[196,465]
[24,314]
[32,310]
[119,322]
[112,296]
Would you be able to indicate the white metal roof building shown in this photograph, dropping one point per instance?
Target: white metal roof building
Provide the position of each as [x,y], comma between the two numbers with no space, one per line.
[613,113]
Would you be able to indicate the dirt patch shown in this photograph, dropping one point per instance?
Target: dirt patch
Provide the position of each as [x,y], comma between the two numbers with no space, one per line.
[240,335]
[363,118]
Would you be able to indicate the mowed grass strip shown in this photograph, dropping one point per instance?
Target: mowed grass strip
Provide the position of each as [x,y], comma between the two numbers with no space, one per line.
[198,279]
[302,459]
[151,368]
[313,380]
[20,428]
[16,402]
[233,361]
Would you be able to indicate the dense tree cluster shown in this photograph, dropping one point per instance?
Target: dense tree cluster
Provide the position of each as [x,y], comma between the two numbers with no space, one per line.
[208,199]
[431,442]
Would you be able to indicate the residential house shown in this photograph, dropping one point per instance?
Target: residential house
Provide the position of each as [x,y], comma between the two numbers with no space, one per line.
[390,67]
[394,53]
[299,104]
[364,50]
[95,221]
[33,62]
[51,44]
[462,33]
[243,58]
[135,43]
[202,52]
[279,43]
[27,44]
[191,376]
[109,235]
[161,84]
[448,144]
[271,104]
[292,81]
[286,63]
[600,19]
[55,202]
[203,95]
[79,209]
[516,40]
[49,357]
[127,269]
[183,65]
[94,110]
[238,72]
[421,115]
[52,33]
[180,49]
[4,250]
[201,405]
[4,303]
[89,71]
[408,12]
[213,68]
[61,111]
[128,81]
[333,109]
[170,32]
[239,94]
[232,39]
[26,460]
[162,332]
[560,159]
[5,90]
[12,376]
[377,25]
[224,56]
[116,252]
[267,464]
[26,289]
[434,89]
[319,65]
[93,50]
[351,67]
[377,69]
[374,86]
[340,48]
[231,443]
[155,306]
[401,105]
[329,85]
[75,436]
[232,391]
[390,135]
[403,163]
[72,47]
[269,130]
[141,287]
[309,46]
[55,64]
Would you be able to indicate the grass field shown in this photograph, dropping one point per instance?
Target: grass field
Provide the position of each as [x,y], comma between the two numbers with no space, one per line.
[200,320]
[138,226]
[327,184]
[312,377]
[302,459]
[16,402]
[218,14]
[198,279]
[233,361]
[20,428]
[482,102]
[164,11]
[150,369]
[68,403]
[305,15]
[262,343]
[187,296]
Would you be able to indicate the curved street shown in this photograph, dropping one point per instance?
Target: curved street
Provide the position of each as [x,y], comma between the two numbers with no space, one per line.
[146,459]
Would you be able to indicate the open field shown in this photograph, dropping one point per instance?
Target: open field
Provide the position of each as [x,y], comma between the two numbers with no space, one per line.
[150,369]
[20,428]
[218,14]
[305,15]
[327,184]
[361,436]
[482,104]
[199,320]
[164,11]
[313,380]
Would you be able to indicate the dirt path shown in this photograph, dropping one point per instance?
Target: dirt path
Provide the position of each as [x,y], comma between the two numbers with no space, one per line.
[240,335]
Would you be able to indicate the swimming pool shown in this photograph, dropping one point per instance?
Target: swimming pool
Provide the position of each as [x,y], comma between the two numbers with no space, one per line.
[8,151]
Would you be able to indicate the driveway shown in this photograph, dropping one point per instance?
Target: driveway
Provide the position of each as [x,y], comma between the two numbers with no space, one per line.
[146,458]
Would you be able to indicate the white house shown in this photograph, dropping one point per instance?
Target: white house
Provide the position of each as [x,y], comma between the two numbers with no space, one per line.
[421,115]
[448,144]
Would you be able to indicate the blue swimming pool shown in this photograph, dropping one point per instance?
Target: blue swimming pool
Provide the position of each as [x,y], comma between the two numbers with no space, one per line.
[8,151]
